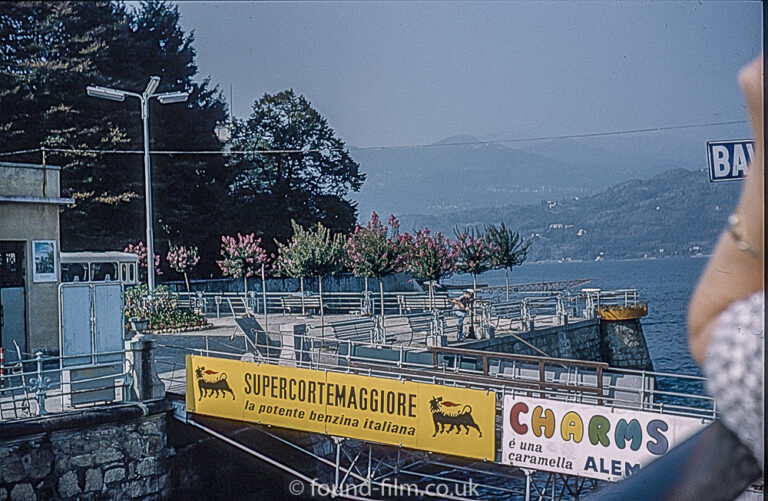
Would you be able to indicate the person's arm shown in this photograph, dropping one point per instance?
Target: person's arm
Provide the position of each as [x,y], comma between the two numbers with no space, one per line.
[735,269]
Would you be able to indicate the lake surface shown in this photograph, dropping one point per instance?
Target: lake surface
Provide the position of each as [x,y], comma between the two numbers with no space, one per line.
[665,284]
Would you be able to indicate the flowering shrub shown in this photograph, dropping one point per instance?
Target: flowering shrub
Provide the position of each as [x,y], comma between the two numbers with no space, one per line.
[160,308]
[429,256]
[182,259]
[474,253]
[141,250]
[242,257]
[376,250]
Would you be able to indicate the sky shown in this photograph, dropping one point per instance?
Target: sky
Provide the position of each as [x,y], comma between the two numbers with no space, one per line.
[406,73]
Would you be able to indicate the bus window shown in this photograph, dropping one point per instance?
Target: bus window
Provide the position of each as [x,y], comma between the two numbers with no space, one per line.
[123,272]
[132,273]
[71,272]
[99,271]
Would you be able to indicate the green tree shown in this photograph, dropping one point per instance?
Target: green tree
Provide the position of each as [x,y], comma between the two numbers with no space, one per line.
[507,249]
[49,53]
[317,253]
[306,182]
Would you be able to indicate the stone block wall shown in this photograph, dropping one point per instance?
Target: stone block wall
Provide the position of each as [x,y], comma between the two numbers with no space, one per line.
[579,341]
[619,344]
[623,345]
[116,452]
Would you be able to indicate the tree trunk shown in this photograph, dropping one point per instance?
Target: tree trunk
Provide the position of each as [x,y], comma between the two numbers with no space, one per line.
[245,291]
[263,296]
[301,288]
[474,283]
[368,309]
[381,295]
[431,295]
[186,281]
[322,313]
[506,279]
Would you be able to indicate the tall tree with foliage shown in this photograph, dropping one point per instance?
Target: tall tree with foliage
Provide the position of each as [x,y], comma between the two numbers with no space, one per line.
[507,249]
[242,257]
[430,257]
[49,53]
[306,180]
[376,250]
[317,253]
[474,252]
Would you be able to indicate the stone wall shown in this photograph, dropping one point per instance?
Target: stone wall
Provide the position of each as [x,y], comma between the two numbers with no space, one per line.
[619,344]
[111,452]
[579,341]
[623,345]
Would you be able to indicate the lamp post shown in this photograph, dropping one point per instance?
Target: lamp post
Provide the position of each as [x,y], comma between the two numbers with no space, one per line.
[164,98]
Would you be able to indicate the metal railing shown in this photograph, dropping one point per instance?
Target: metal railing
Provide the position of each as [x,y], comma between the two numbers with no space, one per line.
[508,374]
[46,385]
[595,298]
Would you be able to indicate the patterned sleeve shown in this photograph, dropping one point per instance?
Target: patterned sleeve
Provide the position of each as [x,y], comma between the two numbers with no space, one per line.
[734,370]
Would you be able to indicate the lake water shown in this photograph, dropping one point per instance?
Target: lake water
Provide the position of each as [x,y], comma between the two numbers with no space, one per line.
[665,284]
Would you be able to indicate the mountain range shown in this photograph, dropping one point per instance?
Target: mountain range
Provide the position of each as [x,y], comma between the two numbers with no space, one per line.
[677,212]
[466,172]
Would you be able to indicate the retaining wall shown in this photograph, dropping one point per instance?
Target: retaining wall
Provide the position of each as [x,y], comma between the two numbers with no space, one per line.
[619,344]
[111,452]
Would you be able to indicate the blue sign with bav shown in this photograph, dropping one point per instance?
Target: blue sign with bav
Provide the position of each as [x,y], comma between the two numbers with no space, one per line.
[729,160]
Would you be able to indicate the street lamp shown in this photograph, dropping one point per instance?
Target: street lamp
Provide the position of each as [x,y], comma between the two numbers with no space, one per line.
[164,98]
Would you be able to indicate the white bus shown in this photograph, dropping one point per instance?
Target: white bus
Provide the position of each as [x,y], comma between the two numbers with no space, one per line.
[109,266]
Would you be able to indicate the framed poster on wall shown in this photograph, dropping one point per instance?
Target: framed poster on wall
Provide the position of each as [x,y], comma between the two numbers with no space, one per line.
[44,259]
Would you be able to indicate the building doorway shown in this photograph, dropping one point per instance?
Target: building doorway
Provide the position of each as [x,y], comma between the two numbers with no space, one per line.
[12,303]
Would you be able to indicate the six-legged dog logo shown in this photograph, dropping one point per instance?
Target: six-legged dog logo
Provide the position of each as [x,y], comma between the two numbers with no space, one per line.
[211,382]
[456,415]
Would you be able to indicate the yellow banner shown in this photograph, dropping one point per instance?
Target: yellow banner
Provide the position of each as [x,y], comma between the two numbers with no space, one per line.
[422,416]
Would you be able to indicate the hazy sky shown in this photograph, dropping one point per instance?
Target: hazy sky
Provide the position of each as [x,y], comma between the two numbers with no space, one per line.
[398,73]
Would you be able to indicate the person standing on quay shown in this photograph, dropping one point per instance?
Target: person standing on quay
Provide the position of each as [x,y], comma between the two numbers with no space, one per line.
[461,307]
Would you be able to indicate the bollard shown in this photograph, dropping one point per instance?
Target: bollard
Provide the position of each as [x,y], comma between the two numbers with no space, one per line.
[146,384]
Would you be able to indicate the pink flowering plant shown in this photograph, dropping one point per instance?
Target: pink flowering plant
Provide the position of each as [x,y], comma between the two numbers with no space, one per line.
[376,250]
[429,256]
[141,250]
[474,252]
[242,257]
[182,259]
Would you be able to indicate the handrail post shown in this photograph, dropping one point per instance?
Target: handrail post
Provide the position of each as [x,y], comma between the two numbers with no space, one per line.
[600,384]
[41,383]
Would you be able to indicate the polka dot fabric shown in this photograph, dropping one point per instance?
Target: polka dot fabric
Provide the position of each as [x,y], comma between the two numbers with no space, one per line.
[734,369]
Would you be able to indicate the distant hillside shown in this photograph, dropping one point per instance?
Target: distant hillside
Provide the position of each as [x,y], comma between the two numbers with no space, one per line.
[677,212]
[462,172]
